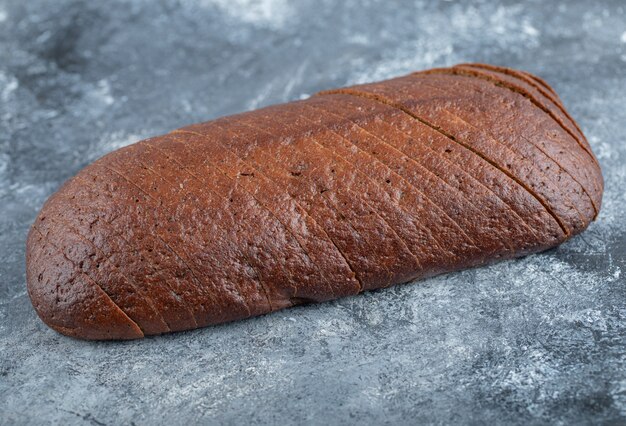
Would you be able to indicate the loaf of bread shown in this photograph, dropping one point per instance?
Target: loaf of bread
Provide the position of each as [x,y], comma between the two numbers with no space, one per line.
[350,190]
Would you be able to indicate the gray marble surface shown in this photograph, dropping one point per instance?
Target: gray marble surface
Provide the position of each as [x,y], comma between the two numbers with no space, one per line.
[540,340]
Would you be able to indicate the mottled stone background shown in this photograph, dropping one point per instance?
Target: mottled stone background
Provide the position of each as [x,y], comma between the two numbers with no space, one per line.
[531,341]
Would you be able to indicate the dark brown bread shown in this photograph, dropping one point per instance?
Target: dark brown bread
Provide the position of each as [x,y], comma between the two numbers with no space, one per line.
[351,190]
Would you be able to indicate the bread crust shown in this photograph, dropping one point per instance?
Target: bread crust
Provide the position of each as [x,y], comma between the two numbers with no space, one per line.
[353,189]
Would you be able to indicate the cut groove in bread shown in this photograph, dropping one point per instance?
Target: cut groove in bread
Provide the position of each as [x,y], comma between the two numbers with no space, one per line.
[387,135]
[545,85]
[338,161]
[540,86]
[477,74]
[225,156]
[452,138]
[349,220]
[420,136]
[532,93]
[538,146]
[186,306]
[271,212]
[424,181]
[232,298]
[243,254]
[434,108]
[122,291]
[89,297]
[70,206]
[395,185]
[546,93]
[543,88]
[462,114]
[388,212]
[360,157]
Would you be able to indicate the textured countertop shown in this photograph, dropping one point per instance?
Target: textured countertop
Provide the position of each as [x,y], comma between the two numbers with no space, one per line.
[536,340]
